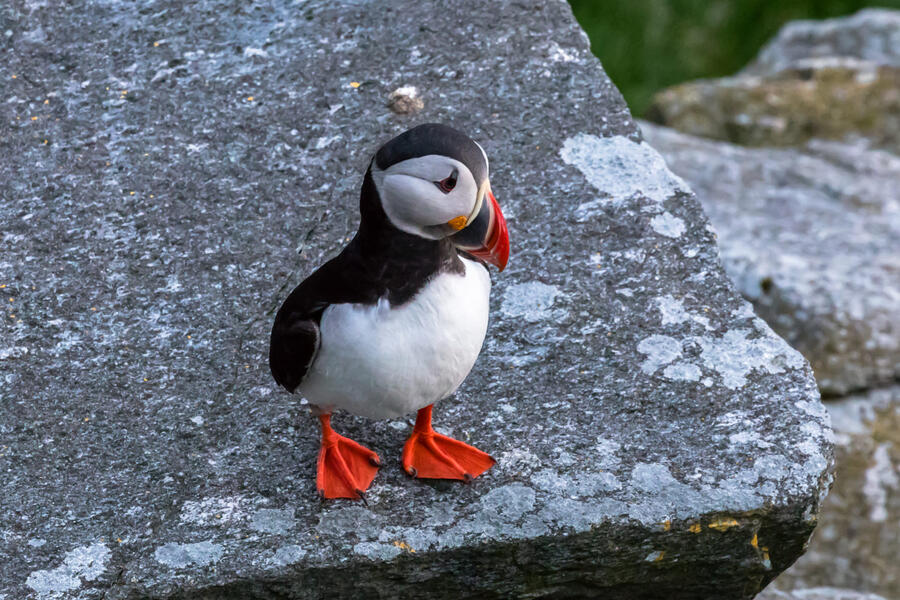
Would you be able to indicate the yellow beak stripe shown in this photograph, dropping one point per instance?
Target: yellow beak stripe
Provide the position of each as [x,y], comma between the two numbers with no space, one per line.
[458,223]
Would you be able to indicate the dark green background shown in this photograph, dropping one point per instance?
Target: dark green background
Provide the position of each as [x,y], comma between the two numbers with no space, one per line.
[647,45]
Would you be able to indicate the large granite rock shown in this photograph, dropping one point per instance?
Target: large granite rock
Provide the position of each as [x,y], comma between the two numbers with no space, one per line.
[164,165]
[816,79]
[811,237]
[858,539]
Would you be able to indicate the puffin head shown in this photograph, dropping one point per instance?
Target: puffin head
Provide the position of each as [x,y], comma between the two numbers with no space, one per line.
[433,183]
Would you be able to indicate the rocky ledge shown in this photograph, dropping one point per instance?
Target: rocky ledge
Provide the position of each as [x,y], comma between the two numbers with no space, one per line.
[171,171]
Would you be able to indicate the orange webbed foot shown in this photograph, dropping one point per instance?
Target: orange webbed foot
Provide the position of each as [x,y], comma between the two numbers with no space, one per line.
[345,468]
[431,455]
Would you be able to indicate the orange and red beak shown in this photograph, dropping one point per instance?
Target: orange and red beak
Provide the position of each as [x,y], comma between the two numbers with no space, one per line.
[486,236]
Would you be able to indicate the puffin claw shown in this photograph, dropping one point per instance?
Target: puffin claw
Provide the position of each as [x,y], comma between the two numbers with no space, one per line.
[362,496]
[412,471]
[467,477]
[374,461]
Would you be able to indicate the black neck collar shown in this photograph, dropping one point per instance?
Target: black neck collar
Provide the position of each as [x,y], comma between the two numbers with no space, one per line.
[402,262]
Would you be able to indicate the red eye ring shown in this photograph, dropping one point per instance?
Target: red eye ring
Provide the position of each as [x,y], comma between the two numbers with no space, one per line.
[447,184]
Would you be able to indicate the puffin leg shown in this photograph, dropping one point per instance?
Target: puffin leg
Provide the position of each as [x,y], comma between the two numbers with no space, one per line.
[345,468]
[430,455]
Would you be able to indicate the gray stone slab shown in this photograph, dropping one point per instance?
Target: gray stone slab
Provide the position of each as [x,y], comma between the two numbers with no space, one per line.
[812,237]
[653,435]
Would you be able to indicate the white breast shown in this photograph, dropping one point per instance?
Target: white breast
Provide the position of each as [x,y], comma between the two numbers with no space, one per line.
[382,362]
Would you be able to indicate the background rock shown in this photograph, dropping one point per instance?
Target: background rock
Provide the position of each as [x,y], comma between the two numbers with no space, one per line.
[817,79]
[164,165]
[856,542]
[819,593]
[812,238]
[871,36]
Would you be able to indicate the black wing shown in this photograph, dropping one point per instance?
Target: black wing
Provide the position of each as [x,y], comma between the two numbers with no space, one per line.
[295,336]
[292,349]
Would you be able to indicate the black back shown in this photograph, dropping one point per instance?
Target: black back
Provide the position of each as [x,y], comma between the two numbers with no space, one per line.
[380,262]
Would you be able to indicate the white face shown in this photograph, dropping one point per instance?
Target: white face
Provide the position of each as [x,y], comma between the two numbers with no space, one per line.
[423,195]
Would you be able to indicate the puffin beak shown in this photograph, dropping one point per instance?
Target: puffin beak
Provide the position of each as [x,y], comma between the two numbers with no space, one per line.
[485,236]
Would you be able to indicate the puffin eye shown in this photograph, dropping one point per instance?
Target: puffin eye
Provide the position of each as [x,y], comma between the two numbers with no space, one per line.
[447,184]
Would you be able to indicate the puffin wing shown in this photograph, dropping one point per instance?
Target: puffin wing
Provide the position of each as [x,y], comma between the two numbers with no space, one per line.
[296,337]
[292,349]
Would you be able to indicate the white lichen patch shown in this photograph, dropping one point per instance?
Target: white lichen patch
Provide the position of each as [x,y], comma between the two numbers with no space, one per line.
[509,502]
[531,301]
[682,371]
[620,168]
[337,520]
[734,355]
[377,550]
[606,450]
[518,460]
[748,437]
[179,556]
[668,225]
[84,562]
[582,484]
[880,478]
[660,350]
[216,511]
[410,539]
[272,520]
[502,511]
[672,312]
[656,482]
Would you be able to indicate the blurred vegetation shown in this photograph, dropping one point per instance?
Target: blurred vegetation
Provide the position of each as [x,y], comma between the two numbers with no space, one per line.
[648,45]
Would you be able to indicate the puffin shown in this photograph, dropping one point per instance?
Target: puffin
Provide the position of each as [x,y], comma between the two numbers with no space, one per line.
[395,322]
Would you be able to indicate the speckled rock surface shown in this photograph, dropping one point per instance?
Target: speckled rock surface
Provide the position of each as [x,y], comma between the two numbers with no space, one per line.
[162,168]
[816,79]
[858,538]
[812,237]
